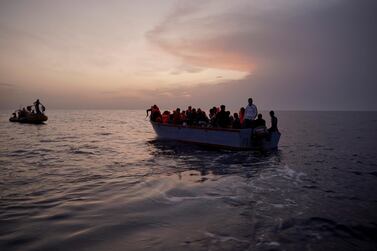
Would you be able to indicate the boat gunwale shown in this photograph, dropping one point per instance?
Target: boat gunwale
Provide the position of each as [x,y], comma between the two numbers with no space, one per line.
[200,128]
[214,146]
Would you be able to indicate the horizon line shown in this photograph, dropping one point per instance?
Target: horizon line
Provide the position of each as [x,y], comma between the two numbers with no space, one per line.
[264,110]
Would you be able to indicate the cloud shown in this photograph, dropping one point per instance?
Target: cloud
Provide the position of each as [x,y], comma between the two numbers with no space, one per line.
[180,34]
[6,85]
[186,69]
[307,55]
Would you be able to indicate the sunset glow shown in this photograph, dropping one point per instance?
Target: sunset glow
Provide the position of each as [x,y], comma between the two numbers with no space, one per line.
[89,52]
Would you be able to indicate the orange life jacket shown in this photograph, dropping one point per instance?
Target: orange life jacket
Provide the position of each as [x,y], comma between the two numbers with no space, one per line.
[165,118]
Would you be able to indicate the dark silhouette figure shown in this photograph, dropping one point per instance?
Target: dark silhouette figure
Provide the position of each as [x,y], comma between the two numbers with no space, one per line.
[241,115]
[222,117]
[274,123]
[189,115]
[193,118]
[37,103]
[236,121]
[155,113]
[177,116]
[259,121]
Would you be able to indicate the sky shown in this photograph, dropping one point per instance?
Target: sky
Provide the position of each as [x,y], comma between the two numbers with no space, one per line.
[286,54]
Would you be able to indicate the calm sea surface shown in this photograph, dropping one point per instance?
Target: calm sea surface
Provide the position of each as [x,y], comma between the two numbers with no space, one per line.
[97,180]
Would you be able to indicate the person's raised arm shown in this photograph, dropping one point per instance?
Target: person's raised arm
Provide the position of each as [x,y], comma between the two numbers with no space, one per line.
[148,110]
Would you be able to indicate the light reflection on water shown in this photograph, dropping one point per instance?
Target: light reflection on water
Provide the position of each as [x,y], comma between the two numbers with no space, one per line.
[99,180]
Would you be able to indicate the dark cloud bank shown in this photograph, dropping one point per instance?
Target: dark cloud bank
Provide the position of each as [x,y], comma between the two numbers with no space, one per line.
[309,57]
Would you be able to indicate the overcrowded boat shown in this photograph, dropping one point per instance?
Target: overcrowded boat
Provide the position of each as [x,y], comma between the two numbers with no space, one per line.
[243,131]
[30,115]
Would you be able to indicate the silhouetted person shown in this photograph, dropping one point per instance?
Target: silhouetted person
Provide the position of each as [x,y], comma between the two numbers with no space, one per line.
[202,118]
[193,118]
[222,117]
[188,115]
[274,123]
[177,116]
[259,121]
[251,112]
[165,117]
[212,116]
[155,113]
[183,117]
[236,121]
[36,104]
[241,115]
[23,113]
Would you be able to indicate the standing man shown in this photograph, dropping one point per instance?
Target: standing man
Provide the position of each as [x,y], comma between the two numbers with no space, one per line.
[251,113]
[36,104]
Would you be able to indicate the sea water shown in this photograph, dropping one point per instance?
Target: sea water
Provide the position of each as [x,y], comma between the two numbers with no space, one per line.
[98,180]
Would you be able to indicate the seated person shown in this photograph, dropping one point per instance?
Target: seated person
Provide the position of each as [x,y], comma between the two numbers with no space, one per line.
[201,117]
[23,113]
[177,116]
[230,120]
[212,116]
[259,122]
[241,115]
[236,121]
[183,117]
[165,117]
[193,117]
[222,117]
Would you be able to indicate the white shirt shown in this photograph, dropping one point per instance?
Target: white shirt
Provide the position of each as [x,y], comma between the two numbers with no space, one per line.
[251,112]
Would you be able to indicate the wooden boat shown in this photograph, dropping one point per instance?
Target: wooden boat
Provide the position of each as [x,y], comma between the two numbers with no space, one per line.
[30,119]
[242,139]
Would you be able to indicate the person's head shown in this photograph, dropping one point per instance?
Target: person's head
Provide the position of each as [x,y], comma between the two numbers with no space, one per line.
[272,113]
[259,116]
[242,109]
[178,110]
[183,112]
[222,107]
[235,115]
[250,100]
[199,110]
[189,108]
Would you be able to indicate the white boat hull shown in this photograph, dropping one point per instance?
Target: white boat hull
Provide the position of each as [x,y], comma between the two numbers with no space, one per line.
[218,137]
